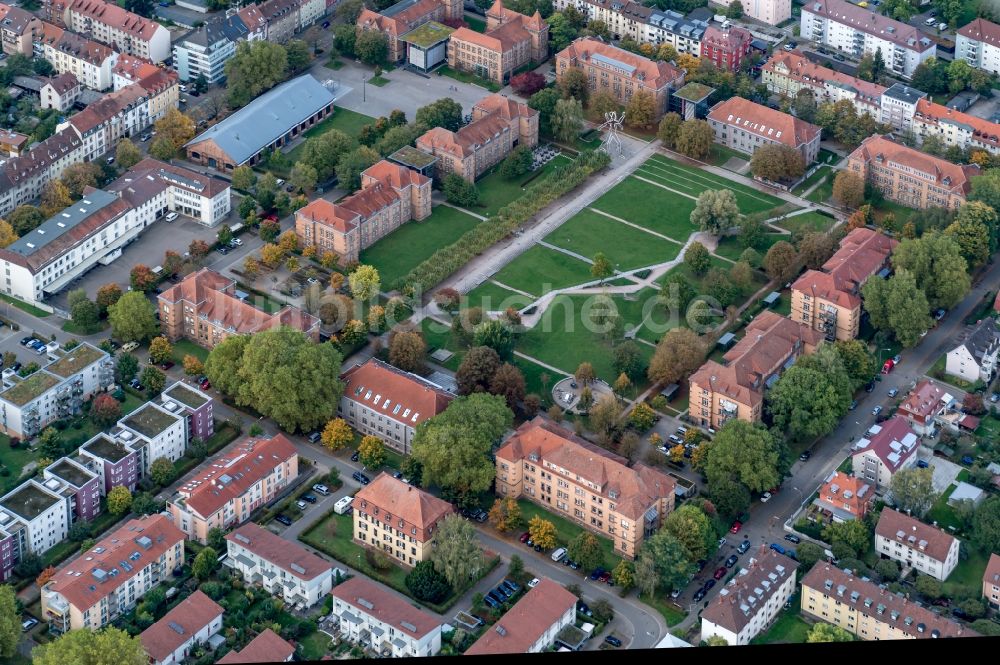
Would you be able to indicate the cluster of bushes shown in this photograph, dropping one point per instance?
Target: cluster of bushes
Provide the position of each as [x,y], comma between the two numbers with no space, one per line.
[448,259]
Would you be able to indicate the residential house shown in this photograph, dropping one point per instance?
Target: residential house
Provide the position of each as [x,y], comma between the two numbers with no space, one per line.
[928,549]
[153,432]
[899,106]
[33,520]
[57,390]
[750,602]
[772,12]
[531,625]
[845,497]
[80,486]
[978,43]
[829,299]
[22,177]
[620,73]
[858,31]
[745,126]
[109,579]
[869,611]
[18,28]
[383,401]
[735,387]
[282,19]
[726,46]
[594,488]
[154,188]
[511,41]
[498,126]
[373,617]
[12,143]
[112,461]
[397,518]
[265,648]
[272,120]
[390,196]
[205,308]
[924,404]
[954,127]
[191,622]
[161,85]
[70,53]
[282,567]
[109,24]
[117,115]
[975,359]
[886,448]
[60,92]
[788,72]
[310,11]
[991,582]
[909,176]
[195,406]
[632,20]
[205,51]
[404,16]
[226,492]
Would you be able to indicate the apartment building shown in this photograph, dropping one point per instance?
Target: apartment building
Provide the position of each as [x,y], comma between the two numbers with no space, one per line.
[511,41]
[112,461]
[194,406]
[885,448]
[80,487]
[772,12]
[389,403]
[397,518]
[57,390]
[631,20]
[22,177]
[267,647]
[910,177]
[154,187]
[531,625]
[69,53]
[899,106]
[33,520]
[205,51]
[845,497]
[975,359]
[593,487]
[749,603]
[726,46]
[271,121]
[205,308]
[498,126]
[978,43]
[785,73]
[375,618]
[284,568]
[12,143]
[153,432]
[283,19]
[104,123]
[161,85]
[991,582]
[404,16]
[228,490]
[193,621]
[829,299]
[390,196]
[869,612]
[620,73]
[924,404]
[735,387]
[928,549]
[858,31]
[18,28]
[745,126]
[59,92]
[110,578]
[311,11]
[109,24]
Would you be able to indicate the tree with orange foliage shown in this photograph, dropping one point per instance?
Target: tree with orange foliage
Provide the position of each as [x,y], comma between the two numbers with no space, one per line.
[44,576]
[271,255]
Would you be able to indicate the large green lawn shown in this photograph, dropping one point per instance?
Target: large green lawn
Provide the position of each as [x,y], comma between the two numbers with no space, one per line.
[184,347]
[493,297]
[14,460]
[541,269]
[967,578]
[349,122]
[495,191]
[649,206]
[821,173]
[438,336]
[402,250]
[809,221]
[627,247]
[567,530]
[730,247]
[695,181]
[333,536]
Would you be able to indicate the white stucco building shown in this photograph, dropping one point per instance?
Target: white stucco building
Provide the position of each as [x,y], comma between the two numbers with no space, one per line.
[110,24]
[153,432]
[978,43]
[975,359]
[192,622]
[928,549]
[375,617]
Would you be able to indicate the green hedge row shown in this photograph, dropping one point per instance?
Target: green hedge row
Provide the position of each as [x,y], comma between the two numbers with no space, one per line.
[449,259]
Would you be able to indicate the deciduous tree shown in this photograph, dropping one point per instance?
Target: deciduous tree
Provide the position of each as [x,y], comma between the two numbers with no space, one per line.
[255,67]
[371,452]
[543,532]
[896,305]
[826,632]
[694,139]
[697,257]
[586,550]
[132,318]
[160,349]
[669,129]
[691,526]
[105,410]
[91,647]
[205,564]
[666,558]
[777,163]
[475,373]
[716,211]
[508,382]
[176,127]
[913,490]
[680,352]
[640,111]
[407,351]
[744,452]
[505,515]
[781,261]
[119,500]
[567,118]
[848,189]
[574,85]
[456,553]
[459,191]
[162,471]
[337,435]
[55,197]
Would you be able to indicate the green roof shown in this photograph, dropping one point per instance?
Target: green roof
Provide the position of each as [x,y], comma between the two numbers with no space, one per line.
[106,448]
[29,501]
[149,421]
[79,358]
[427,35]
[30,388]
[694,92]
[186,396]
[410,156]
[71,473]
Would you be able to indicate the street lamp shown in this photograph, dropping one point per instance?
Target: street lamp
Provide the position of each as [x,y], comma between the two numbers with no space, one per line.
[802,496]
[364,89]
[880,355]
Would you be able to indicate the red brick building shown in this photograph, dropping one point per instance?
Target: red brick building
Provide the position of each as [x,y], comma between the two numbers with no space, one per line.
[726,47]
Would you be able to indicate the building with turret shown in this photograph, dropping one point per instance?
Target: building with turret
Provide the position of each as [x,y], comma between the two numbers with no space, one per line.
[511,41]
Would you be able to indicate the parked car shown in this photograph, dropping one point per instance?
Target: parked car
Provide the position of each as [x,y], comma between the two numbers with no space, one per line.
[938,315]
[480,515]
[854,405]
[720,572]
[525,536]
[28,624]
[777,548]
[223,250]
[574,565]
[870,387]
[596,574]
[284,519]
[326,24]
[922,464]
[877,410]
[355,456]
[613,641]
[765,497]
[995,397]
[896,359]
[310,498]
[236,241]
[301,505]
[805,456]
[537,548]
[533,583]
[967,459]
[322,489]
[503,593]
[361,478]
[166,365]
[171,216]
[699,594]
[25,340]
[744,546]
[205,385]
[731,561]
[792,538]
[605,576]
[709,584]
[488,599]
[314,437]
[582,608]
[511,586]
[893,392]
[735,528]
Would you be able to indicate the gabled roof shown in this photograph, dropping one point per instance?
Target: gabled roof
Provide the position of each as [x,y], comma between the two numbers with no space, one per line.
[112,15]
[846,493]
[892,441]
[402,506]
[654,75]
[767,123]
[739,601]
[871,22]
[265,648]
[983,340]
[179,625]
[981,30]
[911,532]
[395,175]
[401,396]
[15,19]
[731,39]
[74,45]
[796,66]
[992,573]
[982,130]
[526,622]
[287,555]
[39,159]
[505,107]
[924,400]
[861,254]
[108,107]
[386,606]
[956,179]
[62,83]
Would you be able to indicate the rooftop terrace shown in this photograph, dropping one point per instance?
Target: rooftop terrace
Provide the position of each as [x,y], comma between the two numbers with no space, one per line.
[149,421]
[73,361]
[30,388]
[410,156]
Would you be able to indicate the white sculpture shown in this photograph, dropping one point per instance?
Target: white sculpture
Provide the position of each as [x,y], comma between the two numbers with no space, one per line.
[613,124]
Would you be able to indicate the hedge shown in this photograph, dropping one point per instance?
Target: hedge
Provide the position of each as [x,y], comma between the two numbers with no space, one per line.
[475,241]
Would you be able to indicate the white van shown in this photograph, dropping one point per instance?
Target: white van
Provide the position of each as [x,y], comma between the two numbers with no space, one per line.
[343,505]
[559,554]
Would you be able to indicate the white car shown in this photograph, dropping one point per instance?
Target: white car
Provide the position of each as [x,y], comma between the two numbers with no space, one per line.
[533,583]
[236,241]
[765,497]
[171,216]
[893,392]
[301,505]
[184,88]
[877,410]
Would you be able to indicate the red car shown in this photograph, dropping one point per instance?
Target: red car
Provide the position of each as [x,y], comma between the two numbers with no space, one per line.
[737,525]
[205,385]
[605,576]
[525,536]
[272,217]
[720,572]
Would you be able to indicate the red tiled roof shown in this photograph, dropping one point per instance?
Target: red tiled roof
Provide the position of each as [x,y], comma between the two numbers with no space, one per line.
[75,45]
[725,609]
[802,69]
[982,30]
[116,17]
[893,443]
[656,75]
[282,553]
[501,39]
[246,465]
[638,487]
[892,523]
[395,175]
[770,124]
[133,67]
[62,83]
[527,621]
[505,107]
[265,648]
[862,252]
[15,19]
[847,493]
[393,388]
[992,573]
[923,400]
[403,506]
[944,174]
[734,39]
[192,614]
[106,108]
[386,606]
[932,113]
[85,590]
